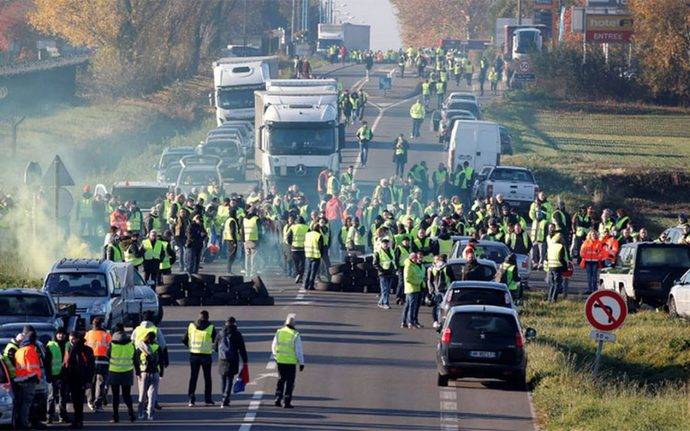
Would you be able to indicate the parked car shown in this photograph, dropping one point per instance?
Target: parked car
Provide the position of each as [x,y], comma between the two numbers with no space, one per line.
[31,306]
[679,297]
[516,184]
[6,396]
[644,272]
[475,293]
[496,252]
[232,156]
[483,341]
[460,95]
[465,105]
[99,288]
[145,193]
[171,156]
[199,172]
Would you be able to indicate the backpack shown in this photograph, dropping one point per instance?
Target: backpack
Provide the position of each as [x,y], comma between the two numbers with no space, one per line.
[226,350]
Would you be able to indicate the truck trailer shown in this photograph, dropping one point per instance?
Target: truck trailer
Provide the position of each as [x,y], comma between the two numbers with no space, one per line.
[352,36]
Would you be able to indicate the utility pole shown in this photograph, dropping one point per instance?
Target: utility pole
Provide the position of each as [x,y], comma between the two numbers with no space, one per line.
[519,12]
[292,23]
[244,30]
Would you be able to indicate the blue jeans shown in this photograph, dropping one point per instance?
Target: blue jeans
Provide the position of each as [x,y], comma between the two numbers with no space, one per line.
[312,272]
[416,125]
[193,256]
[227,380]
[592,268]
[363,151]
[411,309]
[436,311]
[555,284]
[400,292]
[387,282]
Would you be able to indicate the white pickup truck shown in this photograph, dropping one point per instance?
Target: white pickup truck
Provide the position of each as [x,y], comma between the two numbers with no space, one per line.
[516,184]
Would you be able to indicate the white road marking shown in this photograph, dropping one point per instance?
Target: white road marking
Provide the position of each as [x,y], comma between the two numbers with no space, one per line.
[249,417]
[449,409]
[271,365]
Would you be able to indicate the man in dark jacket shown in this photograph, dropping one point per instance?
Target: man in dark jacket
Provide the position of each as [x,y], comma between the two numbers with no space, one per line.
[473,271]
[229,344]
[78,371]
[195,236]
[199,339]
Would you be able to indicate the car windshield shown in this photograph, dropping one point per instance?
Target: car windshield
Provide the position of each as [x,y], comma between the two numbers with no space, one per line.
[168,159]
[483,272]
[301,141]
[198,178]
[469,327]
[25,305]
[654,257]
[224,149]
[526,42]
[512,175]
[146,197]
[479,296]
[171,173]
[43,333]
[238,98]
[494,253]
[77,284]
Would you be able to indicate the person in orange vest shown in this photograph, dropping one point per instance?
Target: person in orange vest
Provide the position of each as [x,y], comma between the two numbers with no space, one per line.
[610,246]
[592,254]
[28,364]
[99,341]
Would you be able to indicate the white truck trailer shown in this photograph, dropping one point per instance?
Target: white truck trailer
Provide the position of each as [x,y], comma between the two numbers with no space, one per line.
[352,36]
[235,80]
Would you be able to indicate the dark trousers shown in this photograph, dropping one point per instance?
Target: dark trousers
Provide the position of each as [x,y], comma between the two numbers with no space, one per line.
[592,267]
[151,270]
[193,257]
[99,385]
[555,284]
[126,398]
[57,398]
[232,253]
[400,292]
[226,385]
[399,167]
[312,272]
[203,362]
[286,382]
[298,259]
[76,393]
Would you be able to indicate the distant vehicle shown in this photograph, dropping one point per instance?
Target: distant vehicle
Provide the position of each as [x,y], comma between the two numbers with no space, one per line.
[171,156]
[487,273]
[460,95]
[475,293]
[483,341]
[231,153]
[456,114]
[465,105]
[506,140]
[198,172]
[235,79]
[644,272]
[31,306]
[679,297]
[100,288]
[516,184]
[352,36]
[495,251]
[477,142]
[241,51]
[171,173]
[244,128]
[146,194]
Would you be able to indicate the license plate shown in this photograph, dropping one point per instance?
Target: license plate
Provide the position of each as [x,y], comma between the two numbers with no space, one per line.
[482,354]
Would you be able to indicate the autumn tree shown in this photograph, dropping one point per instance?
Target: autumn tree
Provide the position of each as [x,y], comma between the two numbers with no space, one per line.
[662,44]
[13,25]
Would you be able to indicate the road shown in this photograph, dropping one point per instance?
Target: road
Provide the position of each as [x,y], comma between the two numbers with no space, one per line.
[363,372]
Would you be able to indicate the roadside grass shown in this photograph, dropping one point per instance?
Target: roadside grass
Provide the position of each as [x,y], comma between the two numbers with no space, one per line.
[13,273]
[642,383]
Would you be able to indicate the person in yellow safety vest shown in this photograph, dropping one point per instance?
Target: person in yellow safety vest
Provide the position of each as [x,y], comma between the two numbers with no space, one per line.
[154,250]
[28,364]
[538,233]
[85,213]
[556,262]
[134,253]
[148,366]
[313,244]
[518,241]
[508,275]
[199,339]
[286,348]
[332,184]
[386,266]
[493,80]
[296,239]
[401,147]
[112,250]
[422,245]
[251,229]
[231,237]
[417,113]
[356,237]
[98,339]
[437,281]
[347,178]
[439,179]
[413,275]
[120,368]
[469,71]
[363,98]
[444,243]
[402,252]
[457,72]
[135,221]
[426,91]
[440,93]
[57,396]
[326,245]
[342,236]
[169,255]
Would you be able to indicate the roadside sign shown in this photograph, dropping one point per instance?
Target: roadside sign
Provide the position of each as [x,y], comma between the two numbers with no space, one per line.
[602,336]
[57,175]
[605,310]
[614,28]
[65,202]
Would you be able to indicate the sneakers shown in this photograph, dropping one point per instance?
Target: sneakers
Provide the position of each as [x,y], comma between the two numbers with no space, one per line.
[386,307]
[417,325]
[190,403]
[91,407]
[149,418]
[288,406]
[277,403]
[403,325]
[436,325]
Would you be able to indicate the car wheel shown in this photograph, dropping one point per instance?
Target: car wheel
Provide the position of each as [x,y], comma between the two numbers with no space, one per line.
[443,380]
[631,303]
[672,310]
[518,380]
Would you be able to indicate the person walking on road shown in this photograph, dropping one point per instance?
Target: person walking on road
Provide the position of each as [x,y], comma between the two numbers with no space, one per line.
[251,227]
[414,280]
[384,262]
[98,339]
[148,366]
[400,149]
[57,390]
[417,113]
[493,80]
[229,344]
[28,366]
[195,236]
[592,254]
[121,357]
[230,236]
[296,235]
[78,371]
[364,136]
[556,263]
[313,244]
[287,351]
[154,250]
[199,339]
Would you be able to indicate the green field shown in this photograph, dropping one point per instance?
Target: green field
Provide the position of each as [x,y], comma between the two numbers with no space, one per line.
[642,383]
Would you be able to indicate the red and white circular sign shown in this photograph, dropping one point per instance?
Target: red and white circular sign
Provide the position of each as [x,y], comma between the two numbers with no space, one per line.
[605,310]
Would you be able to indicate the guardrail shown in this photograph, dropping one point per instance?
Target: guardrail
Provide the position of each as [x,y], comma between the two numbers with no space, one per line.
[38,65]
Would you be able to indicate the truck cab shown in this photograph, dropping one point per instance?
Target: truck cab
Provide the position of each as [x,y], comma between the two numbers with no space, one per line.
[100,288]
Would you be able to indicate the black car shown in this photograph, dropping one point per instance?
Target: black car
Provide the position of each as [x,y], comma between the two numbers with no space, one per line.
[483,341]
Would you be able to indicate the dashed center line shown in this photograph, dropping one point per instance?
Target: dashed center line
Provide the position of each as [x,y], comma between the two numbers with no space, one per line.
[249,417]
[449,410]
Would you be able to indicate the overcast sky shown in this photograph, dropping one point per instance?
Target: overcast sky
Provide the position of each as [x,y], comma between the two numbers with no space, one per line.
[379,15]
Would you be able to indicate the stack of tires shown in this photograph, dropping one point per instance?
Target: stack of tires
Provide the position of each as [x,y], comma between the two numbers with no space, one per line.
[254,292]
[204,289]
[356,274]
[172,289]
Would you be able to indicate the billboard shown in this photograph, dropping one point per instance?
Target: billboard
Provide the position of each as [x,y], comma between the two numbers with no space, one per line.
[615,28]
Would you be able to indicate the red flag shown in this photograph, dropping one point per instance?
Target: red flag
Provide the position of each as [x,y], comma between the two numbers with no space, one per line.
[244,374]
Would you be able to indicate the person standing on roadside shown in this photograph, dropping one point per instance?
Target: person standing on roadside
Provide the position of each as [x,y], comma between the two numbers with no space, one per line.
[57,390]
[194,245]
[229,344]
[78,370]
[148,366]
[414,280]
[121,357]
[98,339]
[230,236]
[400,149]
[251,228]
[28,367]
[384,262]
[417,113]
[364,136]
[199,339]
[556,263]
[313,245]
[287,351]
[591,254]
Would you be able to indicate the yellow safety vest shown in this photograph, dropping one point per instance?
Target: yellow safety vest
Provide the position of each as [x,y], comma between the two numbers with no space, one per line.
[251,228]
[311,245]
[152,251]
[200,341]
[117,253]
[142,357]
[55,358]
[121,358]
[299,232]
[385,260]
[141,333]
[417,111]
[404,254]
[134,223]
[165,263]
[552,252]
[228,231]
[413,275]
[132,258]
[445,246]
[285,346]
[85,208]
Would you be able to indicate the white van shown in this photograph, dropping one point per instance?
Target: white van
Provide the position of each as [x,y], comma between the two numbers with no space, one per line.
[478,142]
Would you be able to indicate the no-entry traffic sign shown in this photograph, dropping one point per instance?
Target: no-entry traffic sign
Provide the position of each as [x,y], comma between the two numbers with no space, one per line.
[605,310]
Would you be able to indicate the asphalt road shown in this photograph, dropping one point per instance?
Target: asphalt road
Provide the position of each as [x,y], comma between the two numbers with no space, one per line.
[363,372]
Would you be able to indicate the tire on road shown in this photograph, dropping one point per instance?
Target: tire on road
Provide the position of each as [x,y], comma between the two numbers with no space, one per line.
[324,286]
[230,280]
[341,268]
[178,279]
[168,289]
[260,287]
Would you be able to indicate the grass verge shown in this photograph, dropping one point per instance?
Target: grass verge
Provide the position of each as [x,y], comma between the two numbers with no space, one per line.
[643,379]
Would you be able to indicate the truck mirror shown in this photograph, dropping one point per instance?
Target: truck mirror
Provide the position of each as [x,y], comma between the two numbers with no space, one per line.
[210,99]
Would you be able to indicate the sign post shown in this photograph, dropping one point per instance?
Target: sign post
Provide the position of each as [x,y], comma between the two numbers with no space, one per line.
[57,176]
[606,311]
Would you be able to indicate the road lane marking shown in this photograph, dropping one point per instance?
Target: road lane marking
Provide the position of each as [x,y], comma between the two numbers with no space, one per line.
[271,365]
[249,417]
[448,410]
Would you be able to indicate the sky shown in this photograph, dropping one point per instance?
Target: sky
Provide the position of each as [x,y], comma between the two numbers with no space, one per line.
[378,14]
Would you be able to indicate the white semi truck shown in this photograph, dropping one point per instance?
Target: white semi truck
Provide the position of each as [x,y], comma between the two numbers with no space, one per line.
[352,36]
[297,130]
[235,80]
